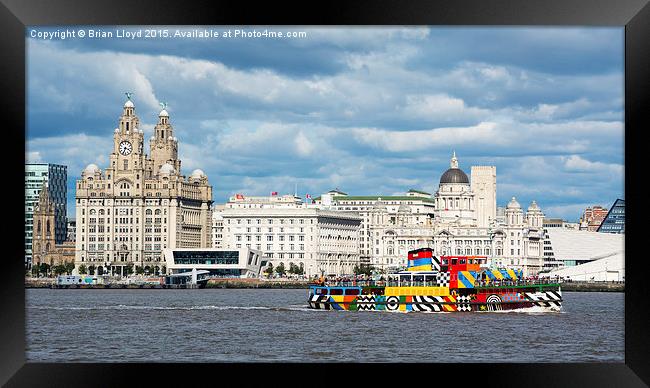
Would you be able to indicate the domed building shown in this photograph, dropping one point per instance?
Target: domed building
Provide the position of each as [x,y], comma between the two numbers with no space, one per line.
[454,198]
[461,219]
[140,203]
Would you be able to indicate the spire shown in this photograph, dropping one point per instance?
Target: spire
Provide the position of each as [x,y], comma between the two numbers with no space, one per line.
[43,196]
[454,161]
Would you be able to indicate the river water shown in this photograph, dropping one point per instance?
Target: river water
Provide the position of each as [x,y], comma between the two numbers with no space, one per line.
[269,325]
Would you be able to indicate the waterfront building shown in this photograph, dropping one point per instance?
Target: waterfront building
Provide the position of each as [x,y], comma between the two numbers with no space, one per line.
[141,203]
[45,249]
[549,262]
[592,217]
[461,218]
[614,221]
[386,232]
[217,226]
[221,262]
[289,231]
[609,268]
[578,247]
[55,178]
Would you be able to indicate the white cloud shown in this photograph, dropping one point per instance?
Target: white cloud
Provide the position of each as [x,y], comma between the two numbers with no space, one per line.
[75,151]
[402,141]
[303,146]
[577,163]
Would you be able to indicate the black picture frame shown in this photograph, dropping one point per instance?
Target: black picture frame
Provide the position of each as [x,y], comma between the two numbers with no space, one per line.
[15,15]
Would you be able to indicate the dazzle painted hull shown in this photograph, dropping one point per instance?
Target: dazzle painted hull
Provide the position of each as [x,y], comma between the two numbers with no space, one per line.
[538,298]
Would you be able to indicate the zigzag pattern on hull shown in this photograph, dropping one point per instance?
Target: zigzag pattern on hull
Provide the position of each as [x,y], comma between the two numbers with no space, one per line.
[366,302]
[426,303]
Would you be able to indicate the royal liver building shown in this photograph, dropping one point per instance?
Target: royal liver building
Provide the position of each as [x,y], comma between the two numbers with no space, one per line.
[140,204]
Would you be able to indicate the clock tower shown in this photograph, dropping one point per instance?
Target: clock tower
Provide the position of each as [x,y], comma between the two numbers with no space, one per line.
[163,143]
[127,161]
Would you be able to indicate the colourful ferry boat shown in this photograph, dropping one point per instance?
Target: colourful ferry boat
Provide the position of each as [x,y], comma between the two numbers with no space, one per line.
[445,284]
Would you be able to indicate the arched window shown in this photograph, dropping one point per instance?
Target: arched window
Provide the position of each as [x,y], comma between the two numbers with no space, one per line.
[148,212]
[47,227]
[157,212]
[92,212]
[38,227]
[468,250]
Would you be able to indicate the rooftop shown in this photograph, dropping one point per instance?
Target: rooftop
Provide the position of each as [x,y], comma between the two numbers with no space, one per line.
[418,191]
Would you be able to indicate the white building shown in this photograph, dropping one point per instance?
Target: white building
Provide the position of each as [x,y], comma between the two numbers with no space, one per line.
[391,225]
[576,247]
[288,231]
[609,268]
[217,226]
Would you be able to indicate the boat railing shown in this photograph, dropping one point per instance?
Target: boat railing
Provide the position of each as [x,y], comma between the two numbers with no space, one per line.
[395,283]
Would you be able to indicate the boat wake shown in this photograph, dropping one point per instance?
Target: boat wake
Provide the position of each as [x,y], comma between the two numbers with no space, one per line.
[206,307]
[529,310]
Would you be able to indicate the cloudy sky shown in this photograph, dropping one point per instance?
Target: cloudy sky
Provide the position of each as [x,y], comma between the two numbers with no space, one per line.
[366,110]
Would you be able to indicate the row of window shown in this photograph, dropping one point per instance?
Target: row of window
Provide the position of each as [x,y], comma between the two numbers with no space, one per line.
[258,221]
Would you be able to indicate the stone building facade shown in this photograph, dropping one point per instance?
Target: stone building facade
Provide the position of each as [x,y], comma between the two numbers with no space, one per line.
[140,204]
[290,231]
[45,249]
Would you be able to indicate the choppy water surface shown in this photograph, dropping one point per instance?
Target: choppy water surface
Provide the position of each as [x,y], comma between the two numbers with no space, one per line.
[275,325]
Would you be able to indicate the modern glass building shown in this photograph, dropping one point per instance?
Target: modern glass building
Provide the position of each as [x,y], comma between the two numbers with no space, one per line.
[220,262]
[55,176]
[614,222]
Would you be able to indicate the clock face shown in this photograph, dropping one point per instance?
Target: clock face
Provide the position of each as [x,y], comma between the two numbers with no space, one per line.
[125,148]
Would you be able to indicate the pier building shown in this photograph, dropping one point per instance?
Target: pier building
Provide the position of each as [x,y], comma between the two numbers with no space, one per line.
[221,262]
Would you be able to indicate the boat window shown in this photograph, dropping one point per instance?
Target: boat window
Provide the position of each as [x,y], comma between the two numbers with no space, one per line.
[454,261]
[321,291]
[445,261]
[352,291]
[470,261]
[462,261]
[336,291]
